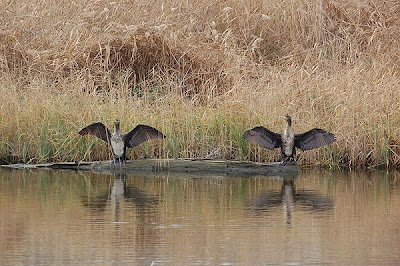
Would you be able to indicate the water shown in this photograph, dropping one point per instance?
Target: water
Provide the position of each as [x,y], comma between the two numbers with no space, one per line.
[65,217]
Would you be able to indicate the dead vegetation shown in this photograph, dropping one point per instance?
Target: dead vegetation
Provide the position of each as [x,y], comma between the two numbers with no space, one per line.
[202,72]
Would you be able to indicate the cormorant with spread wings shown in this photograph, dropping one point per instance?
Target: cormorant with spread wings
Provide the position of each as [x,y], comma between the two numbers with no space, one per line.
[288,141]
[120,141]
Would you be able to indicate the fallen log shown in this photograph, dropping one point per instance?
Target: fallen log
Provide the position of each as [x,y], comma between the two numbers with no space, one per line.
[199,166]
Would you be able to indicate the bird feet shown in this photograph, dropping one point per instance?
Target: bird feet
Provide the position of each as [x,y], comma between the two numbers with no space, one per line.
[119,161]
[288,161]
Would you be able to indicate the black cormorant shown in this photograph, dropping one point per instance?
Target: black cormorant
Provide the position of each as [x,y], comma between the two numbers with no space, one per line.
[120,141]
[288,141]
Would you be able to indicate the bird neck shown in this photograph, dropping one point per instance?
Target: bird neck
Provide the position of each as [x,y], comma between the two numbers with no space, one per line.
[289,122]
[288,130]
[116,128]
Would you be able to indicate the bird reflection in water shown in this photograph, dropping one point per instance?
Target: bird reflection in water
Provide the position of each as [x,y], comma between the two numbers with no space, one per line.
[133,212]
[120,192]
[290,199]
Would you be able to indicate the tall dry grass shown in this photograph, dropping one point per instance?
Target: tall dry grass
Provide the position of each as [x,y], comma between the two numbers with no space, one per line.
[202,72]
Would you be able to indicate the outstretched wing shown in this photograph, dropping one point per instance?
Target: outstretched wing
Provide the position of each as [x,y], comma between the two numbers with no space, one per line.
[140,134]
[313,138]
[99,130]
[263,137]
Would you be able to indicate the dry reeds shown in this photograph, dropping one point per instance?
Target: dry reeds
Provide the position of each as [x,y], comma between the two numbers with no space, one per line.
[202,72]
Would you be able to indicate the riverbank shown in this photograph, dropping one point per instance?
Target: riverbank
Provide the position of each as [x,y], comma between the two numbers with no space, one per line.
[202,74]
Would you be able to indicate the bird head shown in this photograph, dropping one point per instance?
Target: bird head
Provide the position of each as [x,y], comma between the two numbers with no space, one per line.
[116,123]
[288,119]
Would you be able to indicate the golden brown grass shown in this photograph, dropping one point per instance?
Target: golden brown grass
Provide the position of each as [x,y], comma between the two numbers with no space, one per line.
[202,72]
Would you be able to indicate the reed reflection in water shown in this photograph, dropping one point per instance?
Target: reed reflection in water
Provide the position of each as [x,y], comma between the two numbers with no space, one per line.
[51,217]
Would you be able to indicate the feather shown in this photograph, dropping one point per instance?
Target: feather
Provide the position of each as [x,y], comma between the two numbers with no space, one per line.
[263,137]
[313,138]
[99,130]
[140,134]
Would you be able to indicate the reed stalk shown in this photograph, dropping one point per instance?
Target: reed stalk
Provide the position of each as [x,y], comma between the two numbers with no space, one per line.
[202,72]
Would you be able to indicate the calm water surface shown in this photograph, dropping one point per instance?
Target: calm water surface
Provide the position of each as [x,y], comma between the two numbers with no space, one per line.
[63,217]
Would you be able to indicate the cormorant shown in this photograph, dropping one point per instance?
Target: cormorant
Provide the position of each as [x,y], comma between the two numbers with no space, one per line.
[288,141]
[120,141]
